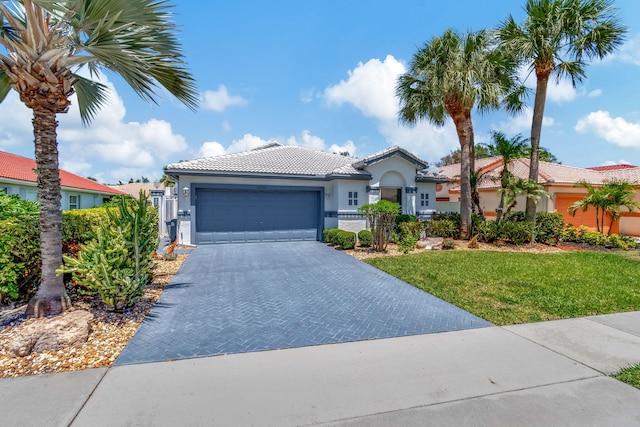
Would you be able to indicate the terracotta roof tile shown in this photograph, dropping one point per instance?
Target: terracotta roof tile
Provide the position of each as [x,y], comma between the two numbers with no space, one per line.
[21,168]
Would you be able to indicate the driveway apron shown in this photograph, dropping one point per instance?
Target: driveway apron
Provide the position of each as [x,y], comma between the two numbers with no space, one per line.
[237,298]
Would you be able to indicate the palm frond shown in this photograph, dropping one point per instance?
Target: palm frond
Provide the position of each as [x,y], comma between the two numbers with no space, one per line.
[5,85]
[92,95]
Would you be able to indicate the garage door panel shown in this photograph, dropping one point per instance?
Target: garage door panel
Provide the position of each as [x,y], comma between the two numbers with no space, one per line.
[256,216]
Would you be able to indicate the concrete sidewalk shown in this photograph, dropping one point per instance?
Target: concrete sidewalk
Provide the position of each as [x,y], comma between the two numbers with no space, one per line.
[541,374]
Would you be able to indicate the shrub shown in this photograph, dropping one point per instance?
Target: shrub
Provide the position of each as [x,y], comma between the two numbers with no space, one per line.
[593,238]
[412,229]
[78,225]
[448,244]
[117,263]
[488,231]
[19,256]
[549,227]
[407,243]
[517,233]
[445,228]
[406,218]
[12,206]
[346,239]
[569,234]
[329,235]
[364,236]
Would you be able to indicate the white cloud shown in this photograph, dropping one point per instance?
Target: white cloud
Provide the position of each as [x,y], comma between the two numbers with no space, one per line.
[370,88]
[15,127]
[307,96]
[612,162]
[562,91]
[107,148]
[348,146]
[247,142]
[219,100]
[628,52]
[307,140]
[522,123]
[614,130]
[211,149]
[595,93]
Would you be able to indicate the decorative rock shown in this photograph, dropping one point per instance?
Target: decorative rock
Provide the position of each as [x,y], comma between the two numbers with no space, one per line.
[421,244]
[68,329]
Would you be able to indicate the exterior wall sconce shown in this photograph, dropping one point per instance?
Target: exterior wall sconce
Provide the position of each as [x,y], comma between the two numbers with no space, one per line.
[410,190]
[185,192]
[327,195]
[373,189]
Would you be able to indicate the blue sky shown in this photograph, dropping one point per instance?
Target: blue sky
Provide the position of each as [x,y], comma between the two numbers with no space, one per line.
[322,74]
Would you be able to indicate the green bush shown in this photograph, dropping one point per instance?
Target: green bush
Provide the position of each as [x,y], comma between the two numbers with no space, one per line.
[117,263]
[412,229]
[12,206]
[407,243]
[380,218]
[488,231]
[346,239]
[569,234]
[445,228]
[19,256]
[365,238]
[406,218]
[329,235]
[549,227]
[78,225]
[517,233]
[448,244]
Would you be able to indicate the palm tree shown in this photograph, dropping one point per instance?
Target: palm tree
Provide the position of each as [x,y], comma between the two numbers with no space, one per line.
[449,77]
[47,42]
[508,150]
[518,186]
[556,38]
[597,198]
[619,194]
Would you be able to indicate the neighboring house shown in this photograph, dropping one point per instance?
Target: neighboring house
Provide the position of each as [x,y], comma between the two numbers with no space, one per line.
[278,192]
[17,176]
[558,180]
[163,198]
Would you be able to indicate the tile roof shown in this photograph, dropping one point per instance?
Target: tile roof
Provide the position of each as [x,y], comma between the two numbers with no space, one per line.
[612,167]
[395,150]
[551,173]
[453,170]
[274,159]
[21,168]
[134,188]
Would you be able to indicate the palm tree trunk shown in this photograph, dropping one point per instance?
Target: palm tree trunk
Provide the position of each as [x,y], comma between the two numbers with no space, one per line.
[536,130]
[51,297]
[464,128]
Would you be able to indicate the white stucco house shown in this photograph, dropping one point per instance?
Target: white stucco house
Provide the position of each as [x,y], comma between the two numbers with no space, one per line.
[17,176]
[278,193]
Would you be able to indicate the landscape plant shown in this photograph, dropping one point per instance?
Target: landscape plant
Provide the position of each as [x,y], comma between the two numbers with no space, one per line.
[365,238]
[44,45]
[118,263]
[380,218]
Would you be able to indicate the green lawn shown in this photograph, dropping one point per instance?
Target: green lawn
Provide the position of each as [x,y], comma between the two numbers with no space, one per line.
[630,375]
[515,287]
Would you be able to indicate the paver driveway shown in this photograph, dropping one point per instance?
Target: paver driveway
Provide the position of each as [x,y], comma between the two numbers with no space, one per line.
[247,297]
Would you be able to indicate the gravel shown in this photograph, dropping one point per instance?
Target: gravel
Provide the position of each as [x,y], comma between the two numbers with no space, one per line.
[110,331]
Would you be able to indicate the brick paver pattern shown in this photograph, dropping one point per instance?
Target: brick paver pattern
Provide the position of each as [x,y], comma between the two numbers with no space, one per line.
[237,298]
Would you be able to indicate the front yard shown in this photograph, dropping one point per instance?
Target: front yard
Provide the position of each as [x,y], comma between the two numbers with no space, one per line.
[508,288]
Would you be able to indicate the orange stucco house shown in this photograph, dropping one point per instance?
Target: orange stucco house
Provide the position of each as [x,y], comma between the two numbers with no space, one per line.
[559,181]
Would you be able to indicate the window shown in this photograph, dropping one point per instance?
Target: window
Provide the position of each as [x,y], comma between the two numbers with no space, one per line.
[353,198]
[73,202]
[424,199]
[4,190]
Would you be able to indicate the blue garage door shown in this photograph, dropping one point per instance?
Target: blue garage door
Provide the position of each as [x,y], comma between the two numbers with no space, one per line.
[230,216]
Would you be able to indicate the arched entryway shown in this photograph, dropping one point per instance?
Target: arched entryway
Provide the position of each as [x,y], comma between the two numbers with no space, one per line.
[392,184]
